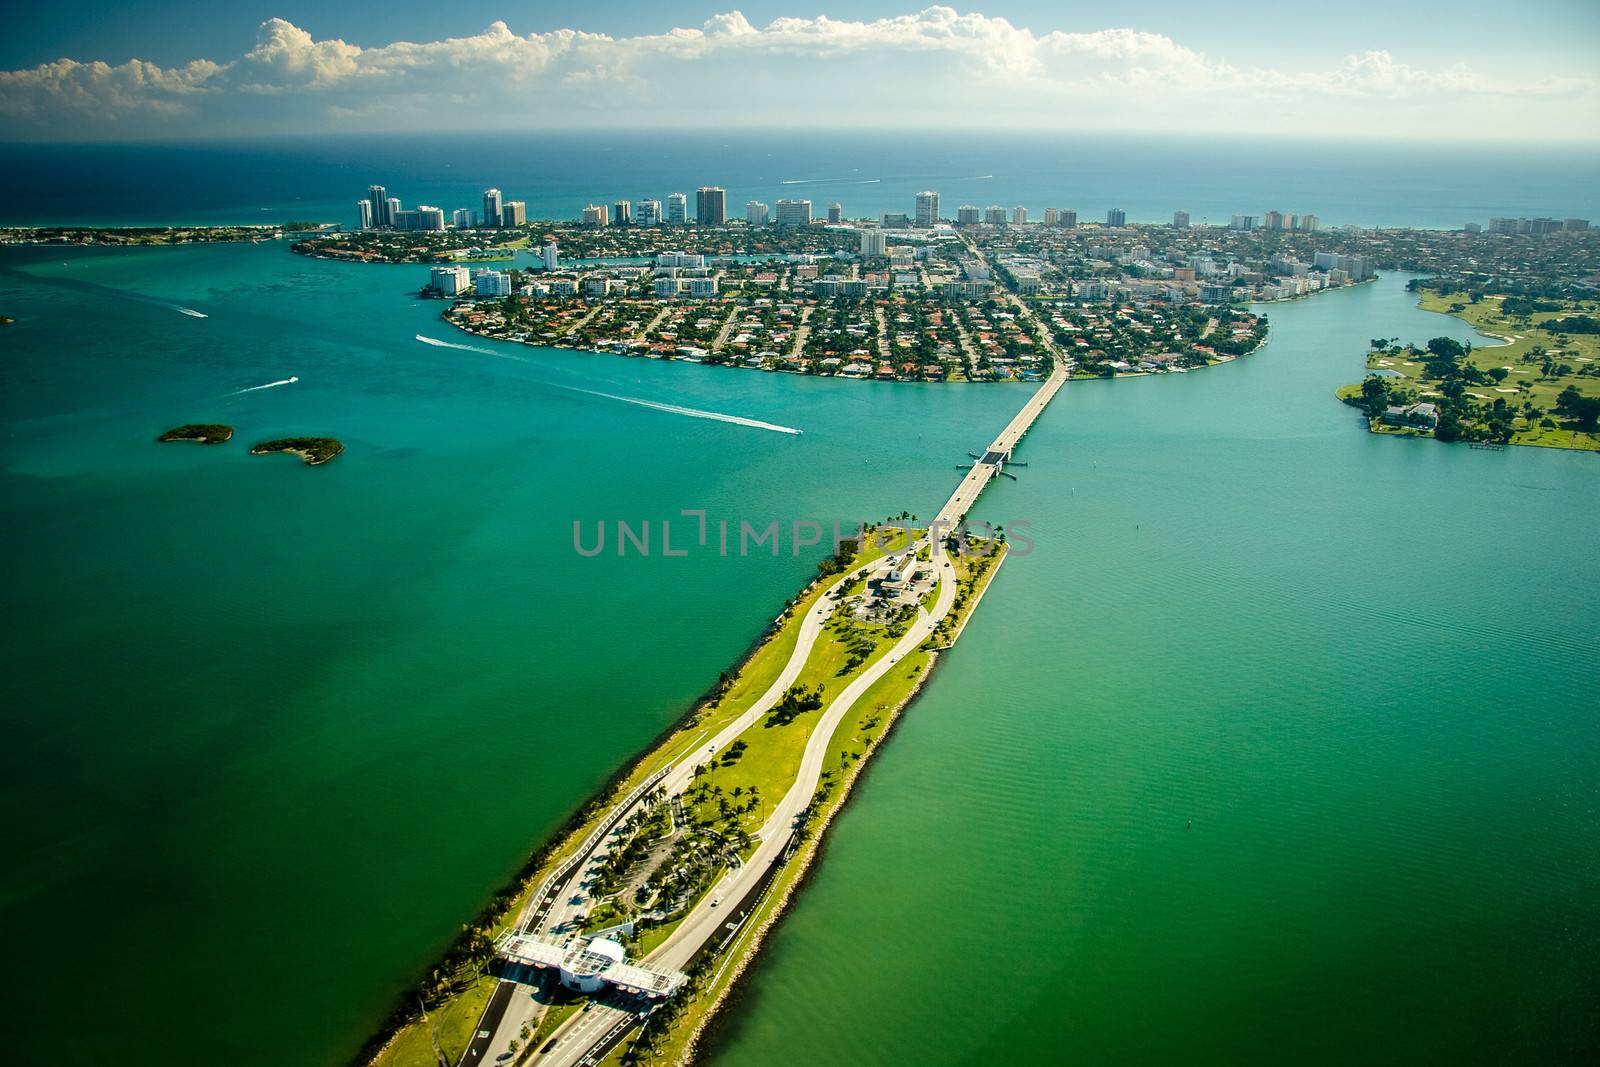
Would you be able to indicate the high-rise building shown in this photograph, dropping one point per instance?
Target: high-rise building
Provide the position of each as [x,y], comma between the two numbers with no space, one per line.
[967,215]
[515,213]
[895,220]
[378,197]
[874,243]
[835,213]
[677,209]
[1308,224]
[755,213]
[407,220]
[1019,215]
[622,213]
[994,215]
[927,208]
[1069,218]
[451,281]
[464,218]
[1116,217]
[1243,222]
[429,217]
[1568,225]
[1052,216]
[391,211]
[711,205]
[363,214]
[492,282]
[1180,220]
[595,215]
[491,207]
[647,212]
[552,256]
[1273,220]
[793,213]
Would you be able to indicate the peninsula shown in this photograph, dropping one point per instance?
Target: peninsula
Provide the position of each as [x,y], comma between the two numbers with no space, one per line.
[205,433]
[134,236]
[314,450]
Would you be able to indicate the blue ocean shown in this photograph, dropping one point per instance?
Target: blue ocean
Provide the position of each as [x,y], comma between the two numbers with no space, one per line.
[1380,183]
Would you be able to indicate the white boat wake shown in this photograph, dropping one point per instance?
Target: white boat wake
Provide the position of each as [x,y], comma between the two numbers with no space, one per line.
[460,348]
[270,385]
[189,311]
[671,409]
[830,181]
[693,413]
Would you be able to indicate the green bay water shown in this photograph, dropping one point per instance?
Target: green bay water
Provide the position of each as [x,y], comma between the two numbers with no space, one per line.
[1281,748]
[274,732]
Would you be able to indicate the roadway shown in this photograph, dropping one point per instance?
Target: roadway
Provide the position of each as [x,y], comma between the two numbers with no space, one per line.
[707,918]
[558,907]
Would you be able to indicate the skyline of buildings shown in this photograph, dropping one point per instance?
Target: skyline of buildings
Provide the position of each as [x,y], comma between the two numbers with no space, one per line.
[377,210]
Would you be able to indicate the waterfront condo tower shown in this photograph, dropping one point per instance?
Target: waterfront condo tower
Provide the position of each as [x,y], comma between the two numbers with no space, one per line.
[378,197]
[793,213]
[927,209]
[711,205]
[491,207]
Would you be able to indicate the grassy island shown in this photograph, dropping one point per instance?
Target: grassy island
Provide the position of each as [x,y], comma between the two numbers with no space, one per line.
[1539,386]
[314,450]
[205,433]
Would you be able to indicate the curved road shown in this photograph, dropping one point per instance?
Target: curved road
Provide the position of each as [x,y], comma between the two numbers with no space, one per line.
[578,1036]
[573,895]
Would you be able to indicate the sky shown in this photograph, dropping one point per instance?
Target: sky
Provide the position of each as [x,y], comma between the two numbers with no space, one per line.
[186,69]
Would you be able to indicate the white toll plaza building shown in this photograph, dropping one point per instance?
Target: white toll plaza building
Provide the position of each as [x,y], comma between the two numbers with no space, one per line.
[589,965]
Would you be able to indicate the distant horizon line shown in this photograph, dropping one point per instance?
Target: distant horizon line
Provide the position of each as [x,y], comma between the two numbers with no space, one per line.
[703,133]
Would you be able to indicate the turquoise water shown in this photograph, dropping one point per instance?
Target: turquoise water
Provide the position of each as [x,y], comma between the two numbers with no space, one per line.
[1283,748]
[274,732]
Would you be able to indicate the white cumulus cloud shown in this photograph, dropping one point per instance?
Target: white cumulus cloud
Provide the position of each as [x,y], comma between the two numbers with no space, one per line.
[935,67]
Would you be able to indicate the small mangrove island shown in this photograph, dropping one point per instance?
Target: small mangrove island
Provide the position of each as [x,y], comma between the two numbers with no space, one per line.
[314,450]
[204,433]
